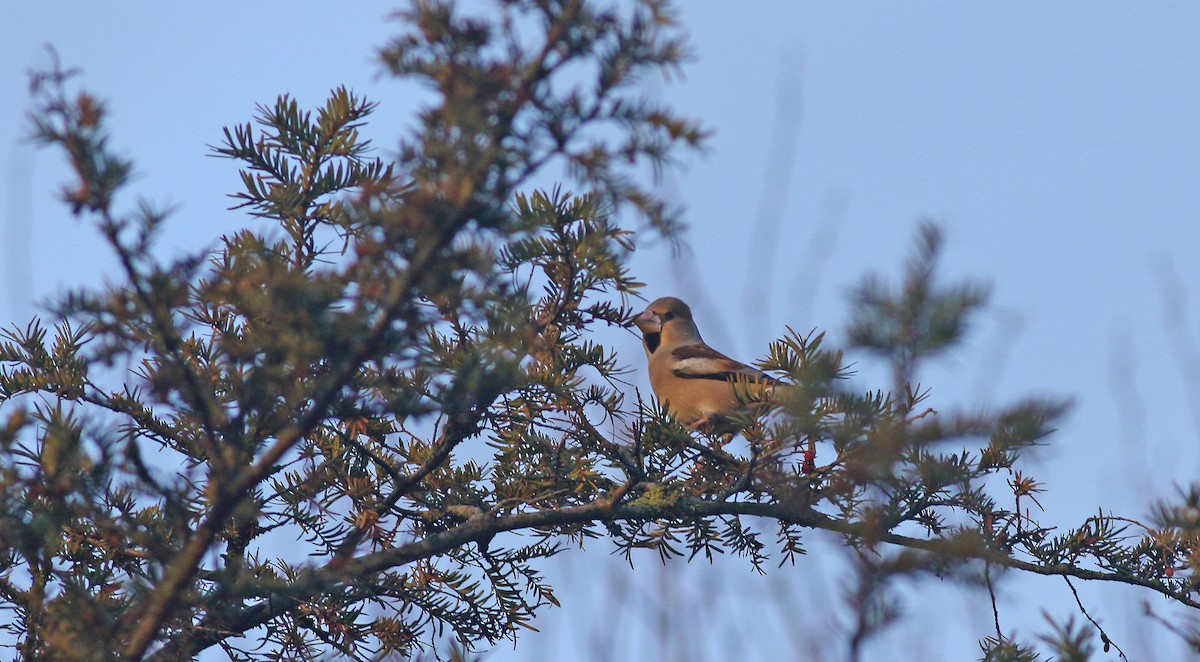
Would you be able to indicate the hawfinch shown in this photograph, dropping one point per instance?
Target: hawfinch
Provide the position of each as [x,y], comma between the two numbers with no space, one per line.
[698,384]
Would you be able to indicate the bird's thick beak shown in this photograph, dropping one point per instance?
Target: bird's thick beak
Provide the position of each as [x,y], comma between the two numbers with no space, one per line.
[648,321]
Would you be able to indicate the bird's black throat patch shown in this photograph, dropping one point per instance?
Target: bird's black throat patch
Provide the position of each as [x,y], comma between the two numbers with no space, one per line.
[653,340]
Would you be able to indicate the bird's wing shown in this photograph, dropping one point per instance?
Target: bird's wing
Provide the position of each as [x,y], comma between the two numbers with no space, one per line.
[703,362]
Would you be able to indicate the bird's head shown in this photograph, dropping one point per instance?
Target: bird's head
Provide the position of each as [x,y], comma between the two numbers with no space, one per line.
[668,319]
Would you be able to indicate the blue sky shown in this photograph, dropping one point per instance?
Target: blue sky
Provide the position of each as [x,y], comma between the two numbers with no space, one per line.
[1058,144]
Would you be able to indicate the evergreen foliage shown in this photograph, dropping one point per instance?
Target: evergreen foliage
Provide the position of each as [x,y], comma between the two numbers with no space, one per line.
[356,426]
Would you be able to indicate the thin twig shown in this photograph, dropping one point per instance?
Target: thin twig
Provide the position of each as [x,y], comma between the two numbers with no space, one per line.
[1103,635]
[987,578]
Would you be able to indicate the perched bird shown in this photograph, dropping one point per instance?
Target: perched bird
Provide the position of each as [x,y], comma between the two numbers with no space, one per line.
[698,384]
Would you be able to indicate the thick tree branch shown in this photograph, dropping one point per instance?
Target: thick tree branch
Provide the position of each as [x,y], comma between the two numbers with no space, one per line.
[318,580]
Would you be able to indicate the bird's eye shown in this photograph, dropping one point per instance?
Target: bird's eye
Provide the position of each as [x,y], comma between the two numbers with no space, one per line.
[668,316]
